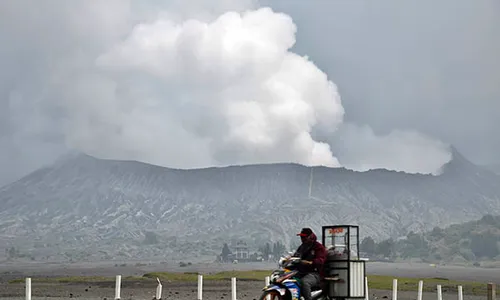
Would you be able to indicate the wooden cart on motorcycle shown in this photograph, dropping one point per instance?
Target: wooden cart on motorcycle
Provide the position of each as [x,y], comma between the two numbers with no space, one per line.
[343,273]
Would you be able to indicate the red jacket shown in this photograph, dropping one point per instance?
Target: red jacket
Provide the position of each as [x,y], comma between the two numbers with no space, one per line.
[314,252]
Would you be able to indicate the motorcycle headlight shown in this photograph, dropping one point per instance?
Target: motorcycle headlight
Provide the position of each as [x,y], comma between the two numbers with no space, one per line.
[273,277]
[282,261]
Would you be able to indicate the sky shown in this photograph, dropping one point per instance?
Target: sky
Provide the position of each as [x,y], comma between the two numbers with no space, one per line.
[356,84]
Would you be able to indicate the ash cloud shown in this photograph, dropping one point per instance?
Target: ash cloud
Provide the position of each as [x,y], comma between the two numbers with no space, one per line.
[219,83]
[231,84]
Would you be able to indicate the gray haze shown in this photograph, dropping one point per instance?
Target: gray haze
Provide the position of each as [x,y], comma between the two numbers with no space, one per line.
[406,80]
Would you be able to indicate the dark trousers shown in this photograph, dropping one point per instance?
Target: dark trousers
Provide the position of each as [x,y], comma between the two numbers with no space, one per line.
[309,281]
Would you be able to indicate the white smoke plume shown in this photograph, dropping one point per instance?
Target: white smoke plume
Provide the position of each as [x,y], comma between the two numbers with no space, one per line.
[360,149]
[231,86]
[186,86]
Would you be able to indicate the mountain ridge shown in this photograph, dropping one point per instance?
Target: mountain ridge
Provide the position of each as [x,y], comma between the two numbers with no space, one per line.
[92,205]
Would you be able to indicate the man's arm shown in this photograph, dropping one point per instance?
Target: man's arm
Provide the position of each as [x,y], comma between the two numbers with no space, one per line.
[320,255]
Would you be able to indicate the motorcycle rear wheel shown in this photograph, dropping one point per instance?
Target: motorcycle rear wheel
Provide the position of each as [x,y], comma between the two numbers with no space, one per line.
[273,295]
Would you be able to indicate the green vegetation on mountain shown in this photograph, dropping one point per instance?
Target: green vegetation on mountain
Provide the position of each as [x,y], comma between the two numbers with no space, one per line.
[475,241]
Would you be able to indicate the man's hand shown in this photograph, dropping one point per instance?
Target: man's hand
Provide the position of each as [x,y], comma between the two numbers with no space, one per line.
[306,262]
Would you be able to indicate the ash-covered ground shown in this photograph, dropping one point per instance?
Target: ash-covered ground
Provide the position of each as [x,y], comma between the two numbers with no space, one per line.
[212,290]
[246,290]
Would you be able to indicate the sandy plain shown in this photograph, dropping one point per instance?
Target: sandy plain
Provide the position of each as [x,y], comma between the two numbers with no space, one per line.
[221,290]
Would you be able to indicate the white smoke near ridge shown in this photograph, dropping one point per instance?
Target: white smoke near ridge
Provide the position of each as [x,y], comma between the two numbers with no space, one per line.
[215,90]
[231,83]
[360,149]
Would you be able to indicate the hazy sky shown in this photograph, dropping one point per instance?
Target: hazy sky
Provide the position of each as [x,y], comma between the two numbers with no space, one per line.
[387,84]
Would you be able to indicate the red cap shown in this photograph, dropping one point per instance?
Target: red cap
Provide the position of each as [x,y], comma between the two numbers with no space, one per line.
[305,232]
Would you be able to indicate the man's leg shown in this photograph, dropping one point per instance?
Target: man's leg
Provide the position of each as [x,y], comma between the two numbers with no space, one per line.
[308,281]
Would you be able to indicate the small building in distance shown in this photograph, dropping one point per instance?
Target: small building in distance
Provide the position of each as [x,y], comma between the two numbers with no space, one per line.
[241,251]
[238,252]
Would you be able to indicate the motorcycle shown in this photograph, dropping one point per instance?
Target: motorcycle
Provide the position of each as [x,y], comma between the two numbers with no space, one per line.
[285,285]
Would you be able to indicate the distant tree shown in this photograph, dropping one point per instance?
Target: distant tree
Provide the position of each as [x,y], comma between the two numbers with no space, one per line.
[225,252]
[416,240]
[266,250]
[467,254]
[368,245]
[278,249]
[437,233]
[415,245]
[385,248]
[489,220]
[484,245]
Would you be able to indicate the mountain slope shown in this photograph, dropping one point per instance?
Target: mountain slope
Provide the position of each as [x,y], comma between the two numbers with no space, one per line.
[467,242]
[495,168]
[82,205]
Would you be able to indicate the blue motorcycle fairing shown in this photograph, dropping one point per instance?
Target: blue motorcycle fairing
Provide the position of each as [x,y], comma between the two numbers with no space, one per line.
[294,288]
[278,288]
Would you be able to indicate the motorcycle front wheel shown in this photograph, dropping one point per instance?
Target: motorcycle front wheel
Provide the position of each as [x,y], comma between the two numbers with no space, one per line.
[271,295]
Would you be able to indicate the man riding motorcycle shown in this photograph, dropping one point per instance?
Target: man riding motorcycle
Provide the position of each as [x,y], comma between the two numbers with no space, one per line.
[313,255]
